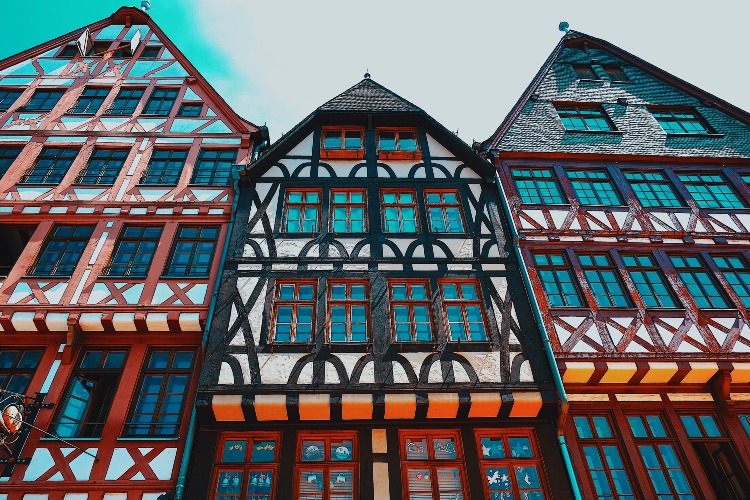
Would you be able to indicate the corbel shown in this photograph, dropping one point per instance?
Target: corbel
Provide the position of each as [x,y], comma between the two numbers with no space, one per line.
[71,338]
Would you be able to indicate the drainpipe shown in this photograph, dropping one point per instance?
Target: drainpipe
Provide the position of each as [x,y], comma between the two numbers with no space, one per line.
[185,462]
[547,348]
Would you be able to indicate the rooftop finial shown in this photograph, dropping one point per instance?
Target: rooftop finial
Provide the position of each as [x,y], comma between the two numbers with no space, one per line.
[145,5]
[367,73]
[563,26]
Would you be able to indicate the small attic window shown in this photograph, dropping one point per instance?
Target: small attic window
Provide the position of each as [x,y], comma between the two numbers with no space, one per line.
[151,52]
[397,140]
[585,72]
[68,52]
[337,138]
[98,48]
[616,74]
[122,50]
[584,117]
[190,109]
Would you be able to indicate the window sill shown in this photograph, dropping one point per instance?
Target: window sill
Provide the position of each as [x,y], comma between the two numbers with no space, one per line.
[595,132]
[121,276]
[712,136]
[341,154]
[155,184]
[143,115]
[105,184]
[184,277]
[148,438]
[50,439]
[399,155]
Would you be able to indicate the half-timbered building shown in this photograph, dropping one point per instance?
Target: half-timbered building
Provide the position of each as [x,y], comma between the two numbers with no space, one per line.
[627,189]
[373,337]
[115,198]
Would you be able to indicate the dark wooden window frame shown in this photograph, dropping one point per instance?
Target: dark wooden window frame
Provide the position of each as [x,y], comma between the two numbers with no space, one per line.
[160,97]
[443,206]
[90,101]
[398,153]
[526,175]
[139,240]
[342,152]
[327,464]
[51,166]
[302,206]
[432,463]
[348,303]
[677,110]
[190,271]
[9,94]
[399,206]
[600,270]
[705,181]
[348,205]
[584,112]
[653,199]
[245,467]
[463,303]
[294,303]
[594,185]
[127,104]
[58,266]
[410,303]
[23,366]
[98,170]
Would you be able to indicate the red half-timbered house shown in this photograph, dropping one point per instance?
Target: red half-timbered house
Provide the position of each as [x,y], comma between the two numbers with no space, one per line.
[627,189]
[115,197]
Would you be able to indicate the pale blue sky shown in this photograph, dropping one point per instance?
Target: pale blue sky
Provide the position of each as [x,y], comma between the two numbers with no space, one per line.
[464,62]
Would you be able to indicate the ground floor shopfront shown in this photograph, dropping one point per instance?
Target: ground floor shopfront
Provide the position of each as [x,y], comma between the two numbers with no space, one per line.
[417,460]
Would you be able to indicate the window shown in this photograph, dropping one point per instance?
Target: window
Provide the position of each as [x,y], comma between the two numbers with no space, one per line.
[594,187]
[151,52]
[90,101]
[558,280]
[585,72]
[62,251]
[99,47]
[347,311]
[736,272]
[7,98]
[699,282]
[190,109]
[649,281]
[653,189]
[7,156]
[615,73]
[711,191]
[13,241]
[165,167]
[720,461]
[246,463]
[349,211]
[134,251]
[399,211]
[537,186]
[17,367]
[600,447]
[463,309]
[122,50]
[51,166]
[512,463]
[161,101]
[681,122]
[302,211]
[192,251]
[326,466]
[410,309]
[103,167]
[397,140]
[432,465]
[604,280]
[159,404]
[342,139]
[293,311]
[126,101]
[657,450]
[83,410]
[584,118]
[444,211]
[214,167]
[68,52]
[43,100]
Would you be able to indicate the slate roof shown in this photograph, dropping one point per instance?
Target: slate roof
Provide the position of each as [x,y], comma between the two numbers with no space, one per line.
[368,96]
[494,141]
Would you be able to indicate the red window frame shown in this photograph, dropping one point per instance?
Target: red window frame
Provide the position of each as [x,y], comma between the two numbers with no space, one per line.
[342,152]
[515,465]
[399,206]
[302,206]
[348,303]
[443,206]
[348,205]
[398,153]
[245,467]
[410,303]
[463,303]
[431,464]
[328,465]
[295,303]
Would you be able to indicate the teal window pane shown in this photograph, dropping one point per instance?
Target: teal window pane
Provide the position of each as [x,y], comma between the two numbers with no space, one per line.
[537,186]
[691,426]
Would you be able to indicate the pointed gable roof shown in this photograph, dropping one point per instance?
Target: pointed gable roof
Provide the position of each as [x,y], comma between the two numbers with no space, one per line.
[576,38]
[130,16]
[368,95]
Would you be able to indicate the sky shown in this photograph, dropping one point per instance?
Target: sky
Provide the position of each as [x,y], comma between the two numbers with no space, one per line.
[464,62]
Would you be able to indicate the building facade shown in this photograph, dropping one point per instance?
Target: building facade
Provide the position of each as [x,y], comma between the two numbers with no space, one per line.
[627,191]
[115,199]
[373,337]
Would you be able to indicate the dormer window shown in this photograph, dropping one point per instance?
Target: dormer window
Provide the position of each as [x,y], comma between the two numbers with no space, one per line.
[342,142]
[615,73]
[151,52]
[584,117]
[585,72]
[681,121]
[68,52]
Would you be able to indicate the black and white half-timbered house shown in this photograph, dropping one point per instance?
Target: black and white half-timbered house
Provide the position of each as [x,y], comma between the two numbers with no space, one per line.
[373,337]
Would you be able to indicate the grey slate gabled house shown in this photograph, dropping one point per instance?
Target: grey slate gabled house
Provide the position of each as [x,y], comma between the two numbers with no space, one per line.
[373,337]
[627,188]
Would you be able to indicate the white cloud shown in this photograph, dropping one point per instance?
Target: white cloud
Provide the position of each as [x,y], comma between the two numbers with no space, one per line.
[465,63]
